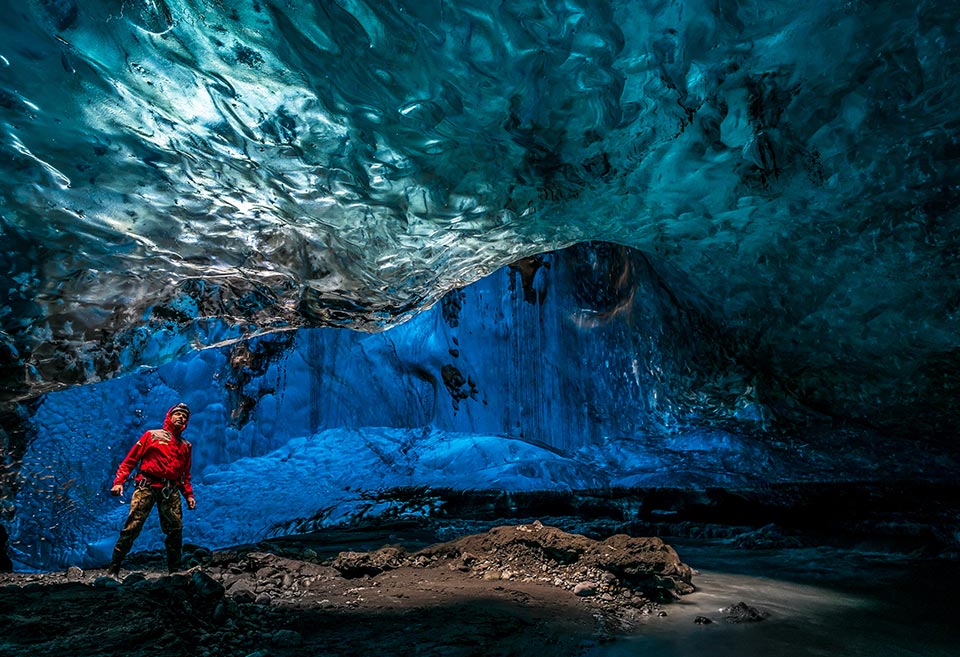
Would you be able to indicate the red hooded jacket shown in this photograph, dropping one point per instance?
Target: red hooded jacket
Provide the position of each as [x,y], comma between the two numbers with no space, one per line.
[162,454]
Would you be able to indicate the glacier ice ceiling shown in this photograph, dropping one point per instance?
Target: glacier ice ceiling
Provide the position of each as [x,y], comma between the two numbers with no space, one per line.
[760,201]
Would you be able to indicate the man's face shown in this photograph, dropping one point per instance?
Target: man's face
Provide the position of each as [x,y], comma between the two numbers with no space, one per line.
[178,419]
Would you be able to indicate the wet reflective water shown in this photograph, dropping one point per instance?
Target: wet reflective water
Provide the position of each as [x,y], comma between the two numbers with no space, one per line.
[820,602]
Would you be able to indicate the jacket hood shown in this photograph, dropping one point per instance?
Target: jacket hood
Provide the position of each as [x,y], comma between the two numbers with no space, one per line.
[168,424]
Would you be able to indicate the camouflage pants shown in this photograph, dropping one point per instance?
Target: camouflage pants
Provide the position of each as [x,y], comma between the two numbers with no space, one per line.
[171,523]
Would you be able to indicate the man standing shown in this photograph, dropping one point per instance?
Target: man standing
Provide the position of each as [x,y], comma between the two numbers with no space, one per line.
[164,458]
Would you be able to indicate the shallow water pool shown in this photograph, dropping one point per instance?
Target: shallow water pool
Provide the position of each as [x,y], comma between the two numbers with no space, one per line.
[820,602]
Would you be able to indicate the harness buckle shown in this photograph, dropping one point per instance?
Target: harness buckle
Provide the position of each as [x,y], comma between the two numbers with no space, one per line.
[146,482]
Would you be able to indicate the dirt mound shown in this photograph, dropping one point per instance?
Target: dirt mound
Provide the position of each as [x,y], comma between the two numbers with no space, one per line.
[618,565]
[613,568]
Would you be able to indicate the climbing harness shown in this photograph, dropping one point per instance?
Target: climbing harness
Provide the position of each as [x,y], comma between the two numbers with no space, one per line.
[147,482]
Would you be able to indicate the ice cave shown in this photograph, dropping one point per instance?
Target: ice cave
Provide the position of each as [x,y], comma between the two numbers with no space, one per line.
[685,269]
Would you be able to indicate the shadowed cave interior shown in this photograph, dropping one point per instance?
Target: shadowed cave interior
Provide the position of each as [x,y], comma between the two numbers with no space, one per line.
[679,269]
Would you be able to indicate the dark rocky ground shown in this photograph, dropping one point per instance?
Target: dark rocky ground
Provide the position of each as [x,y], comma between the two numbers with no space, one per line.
[464,584]
[512,590]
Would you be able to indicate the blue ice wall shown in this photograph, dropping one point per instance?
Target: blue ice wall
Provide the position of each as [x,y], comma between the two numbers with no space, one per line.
[585,368]
[524,380]
[561,349]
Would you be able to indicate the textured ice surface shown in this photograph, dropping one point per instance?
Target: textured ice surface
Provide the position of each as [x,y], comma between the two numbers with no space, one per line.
[180,173]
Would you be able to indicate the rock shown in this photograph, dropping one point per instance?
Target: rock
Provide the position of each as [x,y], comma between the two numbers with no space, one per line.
[309,555]
[74,574]
[134,578]
[223,558]
[264,599]
[267,572]
[177,580]
[585,589]
[286,639]
[206,587]
[220,613]
[702,620]
[358,564]
[105,583]
[197,552]
[766,538]
[743,613]
[242,591]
